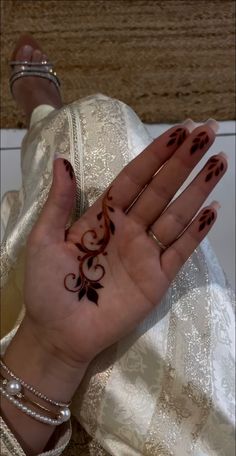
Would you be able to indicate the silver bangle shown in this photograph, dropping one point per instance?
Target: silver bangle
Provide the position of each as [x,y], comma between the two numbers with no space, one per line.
[62,417]
[31,388]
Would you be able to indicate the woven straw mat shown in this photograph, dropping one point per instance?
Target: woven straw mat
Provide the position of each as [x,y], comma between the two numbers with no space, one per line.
[168,60]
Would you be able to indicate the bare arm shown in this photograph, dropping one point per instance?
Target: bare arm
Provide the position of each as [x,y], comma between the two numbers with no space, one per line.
[30,360]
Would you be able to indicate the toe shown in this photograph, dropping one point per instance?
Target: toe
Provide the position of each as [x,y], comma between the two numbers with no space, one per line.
[44,58]
[37,56]
[24,53]
[22,41]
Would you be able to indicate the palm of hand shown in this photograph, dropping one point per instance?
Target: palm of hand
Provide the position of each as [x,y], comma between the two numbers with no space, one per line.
[115,280]
[88,291]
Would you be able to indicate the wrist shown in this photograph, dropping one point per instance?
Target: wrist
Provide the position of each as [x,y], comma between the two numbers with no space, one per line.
[31,359]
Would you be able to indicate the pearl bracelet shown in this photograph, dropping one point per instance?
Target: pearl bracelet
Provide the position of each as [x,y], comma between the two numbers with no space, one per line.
[31,388]
[11,387]
[64,415]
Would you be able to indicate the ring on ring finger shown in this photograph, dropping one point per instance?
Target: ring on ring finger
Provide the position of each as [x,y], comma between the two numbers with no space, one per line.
[157,240]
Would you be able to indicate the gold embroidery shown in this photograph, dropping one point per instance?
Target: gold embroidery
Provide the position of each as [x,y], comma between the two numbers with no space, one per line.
[182,406]
[6,264]
[9,444]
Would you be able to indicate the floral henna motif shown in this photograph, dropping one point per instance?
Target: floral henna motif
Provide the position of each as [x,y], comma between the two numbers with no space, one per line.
[177,137]
[206,218]
[91,250]
[69,168]
[198,143]
[214,166]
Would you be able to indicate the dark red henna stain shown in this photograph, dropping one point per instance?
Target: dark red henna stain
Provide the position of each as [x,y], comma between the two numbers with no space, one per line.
[177,137]
[206,219]
[199,141]
[206,211]
[69,168]
[215,166]
[84,284]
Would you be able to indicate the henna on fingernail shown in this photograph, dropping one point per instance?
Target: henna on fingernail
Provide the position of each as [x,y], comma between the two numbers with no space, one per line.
[215,166]
[69,168]
[206,218]
[177,137]
[199,141]
[206,211]
[85,285]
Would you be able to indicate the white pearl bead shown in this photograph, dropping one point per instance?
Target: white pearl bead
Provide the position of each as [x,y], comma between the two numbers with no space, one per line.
[65,414]
[13,387]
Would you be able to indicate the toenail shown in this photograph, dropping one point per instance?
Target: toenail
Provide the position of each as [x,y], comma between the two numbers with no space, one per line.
[27,48]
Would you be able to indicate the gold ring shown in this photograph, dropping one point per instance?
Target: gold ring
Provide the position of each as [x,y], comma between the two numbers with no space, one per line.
[158,242]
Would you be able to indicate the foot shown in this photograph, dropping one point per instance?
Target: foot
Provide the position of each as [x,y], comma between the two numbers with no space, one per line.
[32,91]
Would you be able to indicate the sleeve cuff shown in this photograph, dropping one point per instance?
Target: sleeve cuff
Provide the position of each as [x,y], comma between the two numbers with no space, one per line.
[55,446]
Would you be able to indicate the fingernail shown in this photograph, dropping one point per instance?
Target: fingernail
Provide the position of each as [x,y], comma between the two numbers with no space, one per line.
[223,154]
[216,205]
[213,124]
[189,124]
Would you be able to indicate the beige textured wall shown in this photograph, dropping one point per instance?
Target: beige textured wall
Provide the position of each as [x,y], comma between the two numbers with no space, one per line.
[168,59]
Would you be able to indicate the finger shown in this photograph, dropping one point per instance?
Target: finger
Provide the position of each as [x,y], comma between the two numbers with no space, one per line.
[50,226]
[169,179]
[177,254]
[179,214]
[133,178]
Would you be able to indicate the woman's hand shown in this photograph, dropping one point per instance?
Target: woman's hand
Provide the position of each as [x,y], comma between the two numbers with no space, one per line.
[87,291]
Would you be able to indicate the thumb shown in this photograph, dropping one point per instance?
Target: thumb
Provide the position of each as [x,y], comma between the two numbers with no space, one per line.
[51,224]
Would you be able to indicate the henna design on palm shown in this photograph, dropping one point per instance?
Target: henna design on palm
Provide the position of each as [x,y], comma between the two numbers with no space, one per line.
[177,137]
[215,166]
[206,219]
[69,168]
[198,143]
[86,285]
